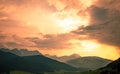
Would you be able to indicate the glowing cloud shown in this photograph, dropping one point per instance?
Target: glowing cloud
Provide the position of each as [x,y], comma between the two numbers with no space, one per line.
[85,27]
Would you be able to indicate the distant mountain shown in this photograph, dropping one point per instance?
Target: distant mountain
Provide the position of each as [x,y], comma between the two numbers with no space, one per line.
[90,63]
[64,58]
[35,64]
[21,52]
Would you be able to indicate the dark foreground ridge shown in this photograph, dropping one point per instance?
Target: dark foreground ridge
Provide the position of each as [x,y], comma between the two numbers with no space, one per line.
[112,68]
[35,64]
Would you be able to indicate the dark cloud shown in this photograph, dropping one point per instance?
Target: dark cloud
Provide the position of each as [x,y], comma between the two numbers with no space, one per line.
[48,41]
[107,29]
[98,15]
[13,44]
[60,41]
[104,22]
[108,4]
[13,41]
[108,32]
[8,42]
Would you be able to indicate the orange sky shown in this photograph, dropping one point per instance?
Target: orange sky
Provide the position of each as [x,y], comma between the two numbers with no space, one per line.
[61,27]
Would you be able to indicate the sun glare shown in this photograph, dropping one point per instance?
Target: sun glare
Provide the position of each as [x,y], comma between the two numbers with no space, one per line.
[89,46]
[69,23]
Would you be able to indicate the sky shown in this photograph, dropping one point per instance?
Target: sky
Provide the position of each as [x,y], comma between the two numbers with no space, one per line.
[62,27]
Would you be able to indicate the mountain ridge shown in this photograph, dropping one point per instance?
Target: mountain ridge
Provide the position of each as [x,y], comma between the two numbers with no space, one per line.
[34,64]
[21,52]
[115,65]
[91,62]
[64,58]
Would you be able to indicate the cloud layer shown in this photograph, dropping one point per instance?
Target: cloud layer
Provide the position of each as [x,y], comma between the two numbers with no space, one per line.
[104,24]
[34,24]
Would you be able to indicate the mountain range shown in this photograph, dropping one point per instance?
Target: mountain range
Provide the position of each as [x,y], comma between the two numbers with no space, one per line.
[86,63]
[91,62]
[34,61]
[64,58]
[21,52]
[34,64]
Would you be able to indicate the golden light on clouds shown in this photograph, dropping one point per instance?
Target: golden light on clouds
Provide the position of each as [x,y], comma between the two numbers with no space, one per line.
[59,22]
[89,45]
[70,23]
[87,48]
[42,19]
[50,16]
[64,26]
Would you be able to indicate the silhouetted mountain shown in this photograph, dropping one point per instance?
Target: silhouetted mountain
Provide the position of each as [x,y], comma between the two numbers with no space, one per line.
[111,68]
[91,63]
[64,58]
[21,52]
[6,59]
[36,64]
[115,65]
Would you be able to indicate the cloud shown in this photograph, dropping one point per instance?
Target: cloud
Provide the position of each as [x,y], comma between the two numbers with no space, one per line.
[97,15]
[108,4]
[60,41]
[71,4]
[13,41]
[15,16]
[108,32]
[13,27]
[104,23]
[40,42]
[107,29]
[21,5]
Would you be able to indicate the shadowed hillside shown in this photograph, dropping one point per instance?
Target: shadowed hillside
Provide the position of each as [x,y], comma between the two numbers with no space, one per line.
[35,64]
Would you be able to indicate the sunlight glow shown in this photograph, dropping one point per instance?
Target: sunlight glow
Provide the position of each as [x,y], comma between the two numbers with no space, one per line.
[89,46]
[69,23]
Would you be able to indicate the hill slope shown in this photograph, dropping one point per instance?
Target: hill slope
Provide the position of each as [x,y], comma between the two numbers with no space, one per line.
[91,63]
[36,64]
[64,58]
[115,65]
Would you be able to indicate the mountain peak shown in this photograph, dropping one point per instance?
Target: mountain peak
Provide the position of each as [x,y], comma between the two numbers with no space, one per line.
[75,55]
[64,58]
[34,64]
[21,52]
[89,62]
